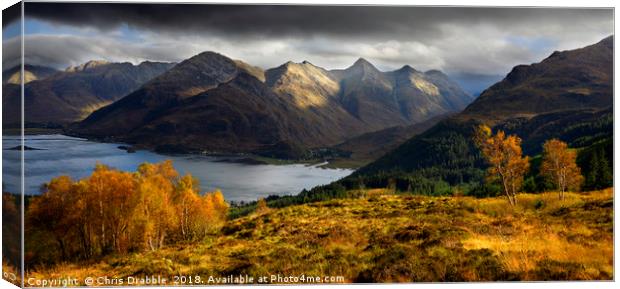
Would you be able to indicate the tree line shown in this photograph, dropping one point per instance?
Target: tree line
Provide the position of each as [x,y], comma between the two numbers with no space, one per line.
[448,161]
[113,211]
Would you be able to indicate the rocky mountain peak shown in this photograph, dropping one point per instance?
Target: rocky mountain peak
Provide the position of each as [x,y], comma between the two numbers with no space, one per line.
[362,69]
[87,65]
[197,74]
[407,69]
[362,64]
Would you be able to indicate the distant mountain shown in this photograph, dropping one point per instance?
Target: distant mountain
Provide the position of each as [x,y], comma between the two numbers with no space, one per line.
[474,83]
[568,96]
[71,95]
[222,105]
[31,73]
[401,97]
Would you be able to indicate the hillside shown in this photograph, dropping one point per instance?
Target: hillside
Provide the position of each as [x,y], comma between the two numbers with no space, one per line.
[238,116]
[291,111]
[71,95]
[380,237]
[540,102]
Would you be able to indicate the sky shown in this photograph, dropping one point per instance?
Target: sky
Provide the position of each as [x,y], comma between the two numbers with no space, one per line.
[456,40]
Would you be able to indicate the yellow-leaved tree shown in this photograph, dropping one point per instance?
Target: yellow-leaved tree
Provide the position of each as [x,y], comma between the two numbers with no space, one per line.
[156,213]
[112,211]
[198,215]
[504,155]
[108,203]
[560,167]
[53,210]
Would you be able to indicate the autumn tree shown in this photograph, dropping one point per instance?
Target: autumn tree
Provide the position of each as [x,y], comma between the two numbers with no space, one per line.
[110,202]
[11,249]
[53,211]
[155,214]
[186,199]
[198,215]
[216,208]
[503,154]
[261,206]
[112,211]
[560,167]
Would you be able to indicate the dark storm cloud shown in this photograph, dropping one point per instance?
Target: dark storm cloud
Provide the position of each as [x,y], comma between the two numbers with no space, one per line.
[283,20]
[453,39]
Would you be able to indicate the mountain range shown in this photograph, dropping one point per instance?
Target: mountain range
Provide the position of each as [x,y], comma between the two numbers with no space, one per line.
[60,97]
[212,103]
[568,95]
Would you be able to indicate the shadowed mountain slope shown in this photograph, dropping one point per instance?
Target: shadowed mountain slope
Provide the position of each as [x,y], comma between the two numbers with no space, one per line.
[574,79]
[188,78]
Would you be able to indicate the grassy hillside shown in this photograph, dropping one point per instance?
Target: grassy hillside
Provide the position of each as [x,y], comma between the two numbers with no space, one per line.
[381,237]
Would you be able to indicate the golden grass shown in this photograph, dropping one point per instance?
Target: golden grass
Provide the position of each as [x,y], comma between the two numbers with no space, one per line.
[10,273]
[381,237]
[538,239]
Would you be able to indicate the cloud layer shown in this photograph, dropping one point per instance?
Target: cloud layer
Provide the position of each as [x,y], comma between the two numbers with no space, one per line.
[472,40]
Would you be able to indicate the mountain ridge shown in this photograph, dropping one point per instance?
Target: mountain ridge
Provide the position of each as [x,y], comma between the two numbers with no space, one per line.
[68,96]
[312,98]
[579,78]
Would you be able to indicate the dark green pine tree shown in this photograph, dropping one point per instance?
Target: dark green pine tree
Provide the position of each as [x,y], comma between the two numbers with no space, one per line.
[605,177]
[592,175]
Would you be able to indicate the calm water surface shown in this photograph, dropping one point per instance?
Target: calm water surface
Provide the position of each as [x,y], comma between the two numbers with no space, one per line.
[64,155]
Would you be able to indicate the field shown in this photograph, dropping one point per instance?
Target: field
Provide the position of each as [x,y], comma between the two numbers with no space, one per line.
[382,237]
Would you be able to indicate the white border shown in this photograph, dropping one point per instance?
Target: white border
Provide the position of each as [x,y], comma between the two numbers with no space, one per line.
[505,3]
